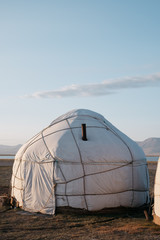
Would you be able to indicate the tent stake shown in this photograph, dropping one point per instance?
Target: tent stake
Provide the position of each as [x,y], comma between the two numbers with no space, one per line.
[146,215]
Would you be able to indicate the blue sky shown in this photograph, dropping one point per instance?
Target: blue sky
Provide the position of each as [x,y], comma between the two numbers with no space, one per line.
[59,55]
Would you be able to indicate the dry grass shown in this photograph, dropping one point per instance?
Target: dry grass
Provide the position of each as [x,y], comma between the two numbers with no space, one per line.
[74,224]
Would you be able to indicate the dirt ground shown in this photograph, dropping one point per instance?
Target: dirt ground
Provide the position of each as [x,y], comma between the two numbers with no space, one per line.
[75,224]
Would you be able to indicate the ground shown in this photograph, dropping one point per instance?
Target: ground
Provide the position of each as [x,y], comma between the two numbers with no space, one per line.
[75,224]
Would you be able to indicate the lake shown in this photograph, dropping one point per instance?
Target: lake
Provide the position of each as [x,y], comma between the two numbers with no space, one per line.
[3,157]
[152,159]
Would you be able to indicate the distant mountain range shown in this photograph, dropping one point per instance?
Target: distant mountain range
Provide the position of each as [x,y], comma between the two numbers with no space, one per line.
[150,146]
[4,149]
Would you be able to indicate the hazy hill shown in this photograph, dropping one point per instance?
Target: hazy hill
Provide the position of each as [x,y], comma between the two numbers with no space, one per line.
[150,146]
[4,149]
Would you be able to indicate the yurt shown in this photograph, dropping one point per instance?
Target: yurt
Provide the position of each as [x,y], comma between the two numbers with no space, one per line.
[82,161]
[156,210]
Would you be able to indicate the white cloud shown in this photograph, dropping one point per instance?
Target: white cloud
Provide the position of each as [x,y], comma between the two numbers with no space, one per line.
[98,89]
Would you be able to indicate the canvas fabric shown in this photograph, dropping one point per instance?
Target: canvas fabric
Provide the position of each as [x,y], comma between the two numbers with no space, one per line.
[157,191]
